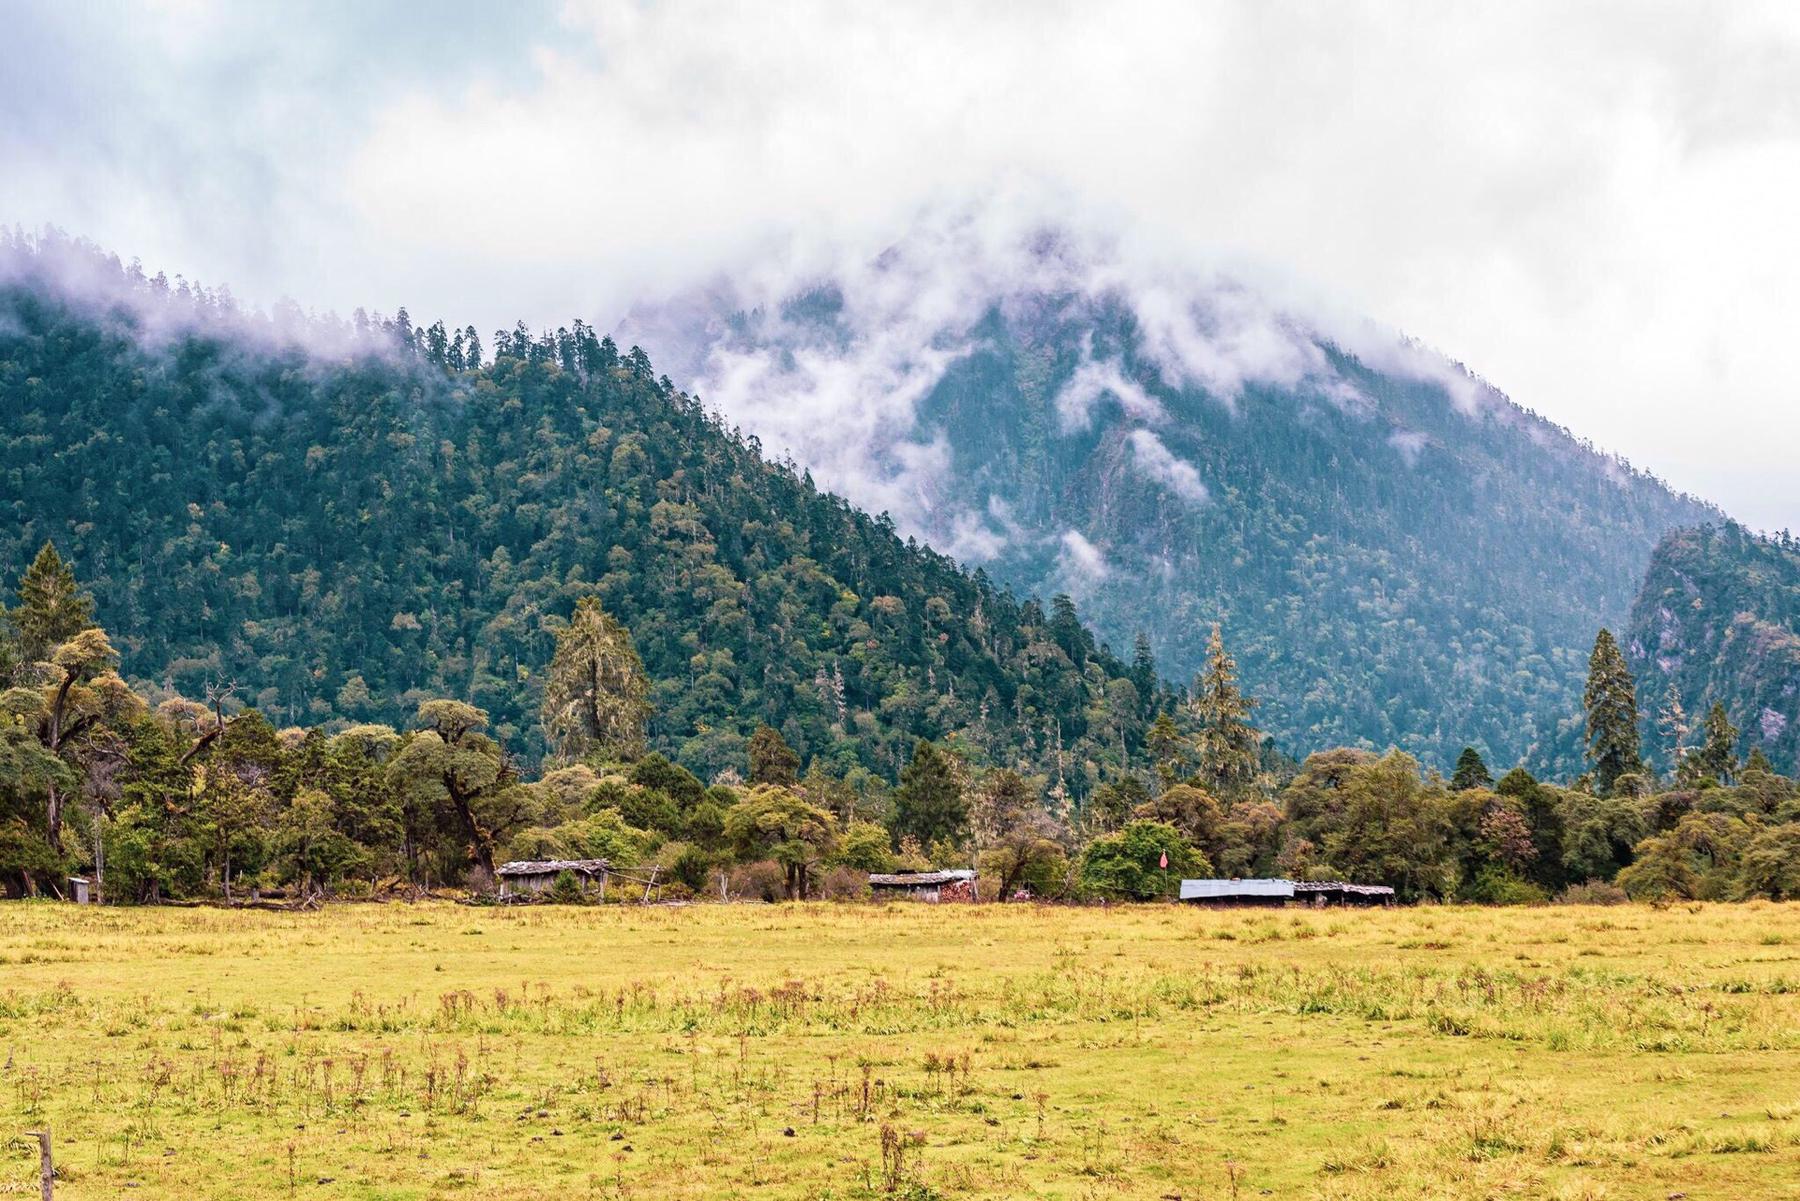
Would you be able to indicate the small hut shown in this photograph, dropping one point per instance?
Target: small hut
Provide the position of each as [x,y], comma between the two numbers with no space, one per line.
[78,889]
[954,885]
[1238,892]
[1319,893]
[529,877]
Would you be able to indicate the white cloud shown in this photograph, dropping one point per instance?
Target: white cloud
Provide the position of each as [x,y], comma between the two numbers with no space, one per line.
[1590,205]
[1080,561]
[1094,382]
[1157,462]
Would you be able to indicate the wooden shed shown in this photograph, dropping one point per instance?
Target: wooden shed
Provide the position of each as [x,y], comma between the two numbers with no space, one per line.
[529,877]
[1319,893]
[954,885]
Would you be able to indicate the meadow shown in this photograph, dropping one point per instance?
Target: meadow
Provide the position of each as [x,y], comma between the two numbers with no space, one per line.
[850,1051]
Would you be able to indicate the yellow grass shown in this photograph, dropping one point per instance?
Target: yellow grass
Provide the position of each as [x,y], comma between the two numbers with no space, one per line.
[906,1051]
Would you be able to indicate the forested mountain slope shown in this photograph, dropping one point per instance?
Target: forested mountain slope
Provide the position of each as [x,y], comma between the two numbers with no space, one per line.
[1399,554]
[348,526]
[1719,618]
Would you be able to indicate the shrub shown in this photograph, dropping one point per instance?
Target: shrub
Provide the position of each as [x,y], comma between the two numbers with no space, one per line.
[687,863]
[763,880]
[1494,885]
[845,884]
[1594,892]
[565,890]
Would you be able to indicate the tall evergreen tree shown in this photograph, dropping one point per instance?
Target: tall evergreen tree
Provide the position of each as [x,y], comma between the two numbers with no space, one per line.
[1143,671]
[1718,752]
[1612,714]
[1227,743]
[52,606]
[1471,771]
[929,805]
[772,760]
[595,699]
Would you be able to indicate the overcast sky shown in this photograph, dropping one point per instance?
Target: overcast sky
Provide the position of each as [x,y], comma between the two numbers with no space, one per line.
[1596,207]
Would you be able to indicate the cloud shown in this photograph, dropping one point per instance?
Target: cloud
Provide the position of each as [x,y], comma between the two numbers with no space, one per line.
[1094,382]
[1080,561]
[1410,443]
[1589,205]
[1158,463]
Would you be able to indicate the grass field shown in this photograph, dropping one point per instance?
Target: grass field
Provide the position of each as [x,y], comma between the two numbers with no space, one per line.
[908,1051]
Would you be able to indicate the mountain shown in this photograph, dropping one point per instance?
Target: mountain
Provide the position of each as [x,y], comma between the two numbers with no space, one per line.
[348,518]
[1718,617]
[1399,554]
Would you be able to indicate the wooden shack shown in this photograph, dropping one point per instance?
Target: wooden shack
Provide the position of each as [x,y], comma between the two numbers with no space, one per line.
[1319,893]
[954,885]
[530,877]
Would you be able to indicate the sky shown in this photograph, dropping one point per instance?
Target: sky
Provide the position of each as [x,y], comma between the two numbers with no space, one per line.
[1592,206]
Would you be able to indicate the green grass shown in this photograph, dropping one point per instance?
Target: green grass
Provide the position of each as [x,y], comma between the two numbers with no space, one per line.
[906,1051]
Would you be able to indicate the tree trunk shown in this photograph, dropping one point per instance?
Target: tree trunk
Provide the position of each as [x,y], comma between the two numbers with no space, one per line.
[479,845]
[53,819]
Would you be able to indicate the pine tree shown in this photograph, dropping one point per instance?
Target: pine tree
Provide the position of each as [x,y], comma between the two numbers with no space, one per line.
[1718,751]
[1143,671]
[595,696]
[1471,771]
[1758,762]
[52,606]
[772,760]
[1168,749]
[1612,714]
[1227,743]
[929,804]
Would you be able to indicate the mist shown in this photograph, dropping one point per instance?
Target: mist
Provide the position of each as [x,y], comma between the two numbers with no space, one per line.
[1588,206]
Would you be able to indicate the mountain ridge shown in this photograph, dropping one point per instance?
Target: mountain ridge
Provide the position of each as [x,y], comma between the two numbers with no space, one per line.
[1400,554]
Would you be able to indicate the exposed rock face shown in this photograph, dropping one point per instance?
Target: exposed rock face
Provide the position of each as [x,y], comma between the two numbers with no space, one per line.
[1719,616]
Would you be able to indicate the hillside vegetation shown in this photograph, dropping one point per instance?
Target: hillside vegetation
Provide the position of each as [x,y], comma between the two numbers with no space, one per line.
[1718,620]
[1399,555]
[346,532]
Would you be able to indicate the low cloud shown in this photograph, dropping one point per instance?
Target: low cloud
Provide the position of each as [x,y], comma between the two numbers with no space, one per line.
[1081,562]
[1158,463]
[1094,383]
[1582,202]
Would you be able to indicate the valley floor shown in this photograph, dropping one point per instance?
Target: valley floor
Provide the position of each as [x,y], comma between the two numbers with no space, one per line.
[822,1051]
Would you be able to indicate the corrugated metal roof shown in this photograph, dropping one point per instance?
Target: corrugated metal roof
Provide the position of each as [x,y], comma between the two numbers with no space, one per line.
[540,867]
[921,879]
[1364,890]
[1212,890]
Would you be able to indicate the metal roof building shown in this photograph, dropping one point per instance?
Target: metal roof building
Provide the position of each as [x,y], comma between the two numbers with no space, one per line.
[956,884]
[1280,892]
[1227,891]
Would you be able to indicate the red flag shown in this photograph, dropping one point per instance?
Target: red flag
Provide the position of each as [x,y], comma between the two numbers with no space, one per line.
[1165,860]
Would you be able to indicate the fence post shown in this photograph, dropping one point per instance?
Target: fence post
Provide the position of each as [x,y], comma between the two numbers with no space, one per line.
[46,1172]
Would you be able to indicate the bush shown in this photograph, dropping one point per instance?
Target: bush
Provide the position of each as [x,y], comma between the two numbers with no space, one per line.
[844,884]
[1494,885]
[687,863]
[1594,892]
[565,890]
[763,880]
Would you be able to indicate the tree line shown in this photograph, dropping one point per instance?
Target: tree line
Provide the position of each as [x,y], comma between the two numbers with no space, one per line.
[164,796]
